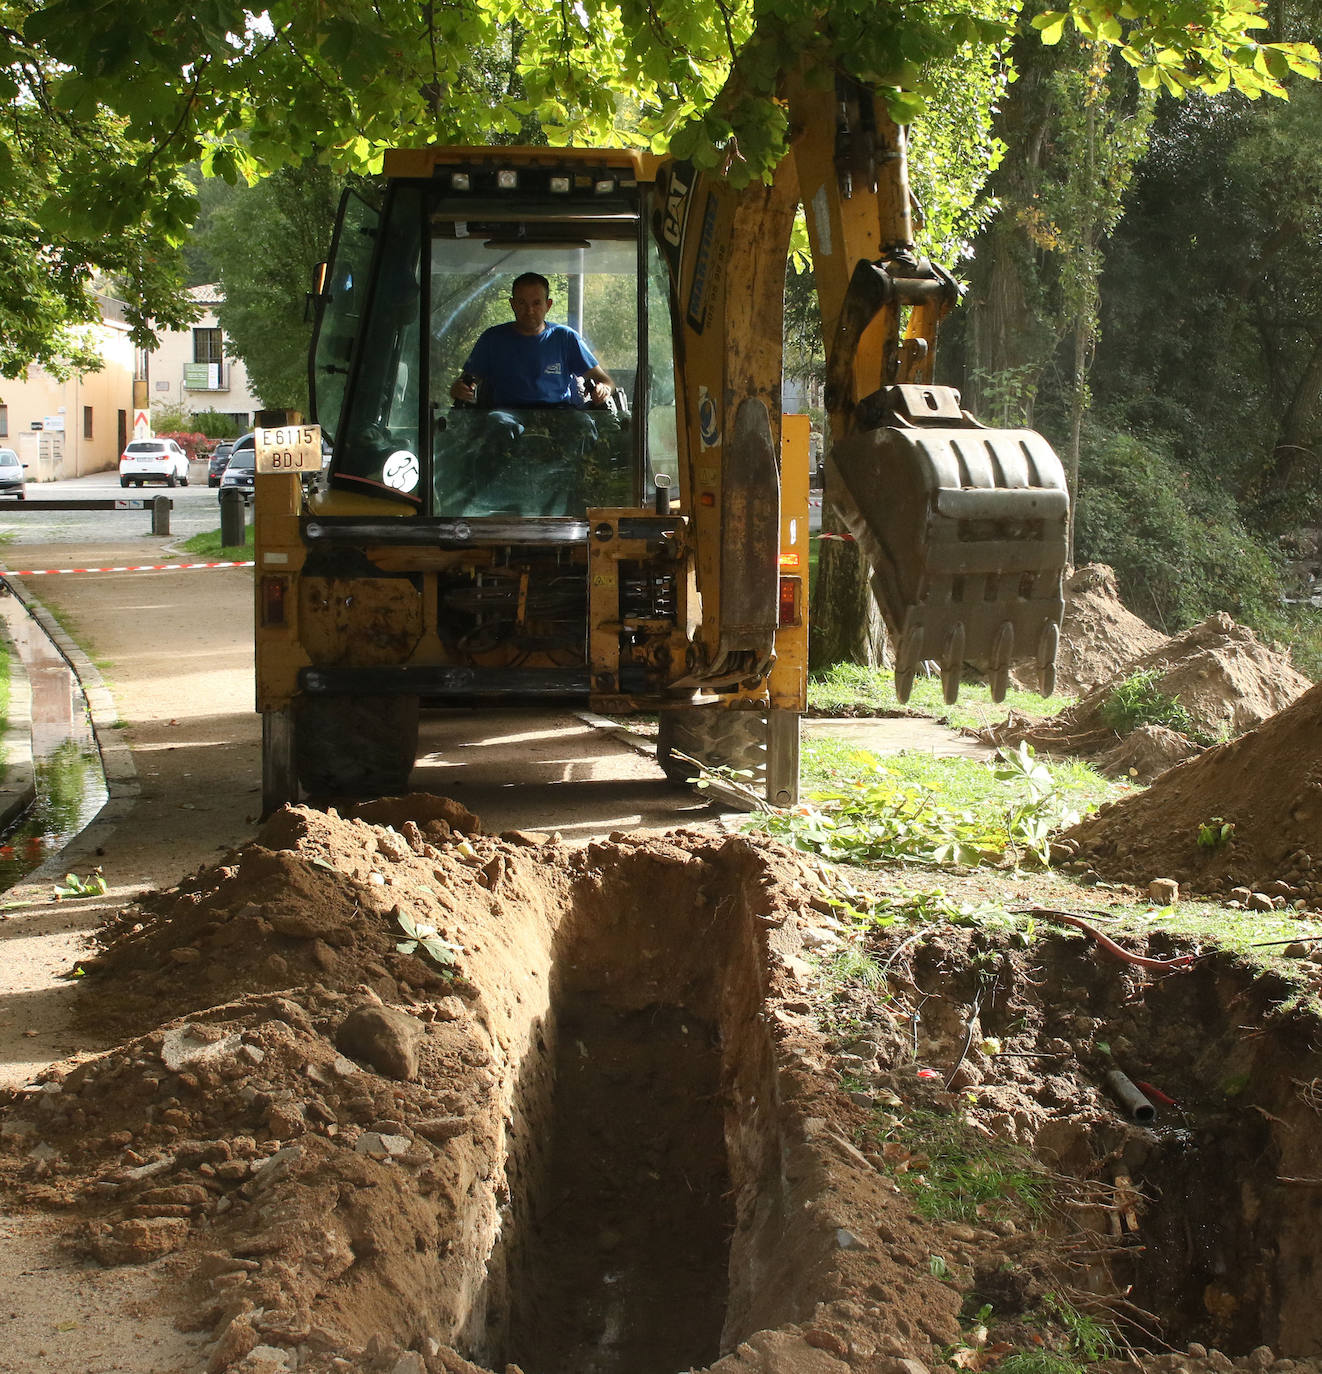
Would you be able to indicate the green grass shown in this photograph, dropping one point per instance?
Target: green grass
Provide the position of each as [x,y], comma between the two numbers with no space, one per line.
[961,782]
[5,651]
[847,689]
[1038,1362]
[859,807]
[208,545]
[953,1174]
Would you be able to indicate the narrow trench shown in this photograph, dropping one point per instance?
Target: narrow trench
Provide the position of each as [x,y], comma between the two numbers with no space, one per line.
[627,1151]
[1229,1175]
[623,1264]
[70,783]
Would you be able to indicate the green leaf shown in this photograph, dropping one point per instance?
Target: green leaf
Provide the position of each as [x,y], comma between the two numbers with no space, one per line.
[1052,26]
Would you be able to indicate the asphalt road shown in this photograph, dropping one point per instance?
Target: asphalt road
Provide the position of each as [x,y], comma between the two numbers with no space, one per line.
[195,510]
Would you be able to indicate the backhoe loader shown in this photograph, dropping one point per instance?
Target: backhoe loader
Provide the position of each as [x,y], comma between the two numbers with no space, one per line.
[652,556]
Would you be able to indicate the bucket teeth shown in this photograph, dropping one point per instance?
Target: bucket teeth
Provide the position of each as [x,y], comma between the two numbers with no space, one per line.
[965,532]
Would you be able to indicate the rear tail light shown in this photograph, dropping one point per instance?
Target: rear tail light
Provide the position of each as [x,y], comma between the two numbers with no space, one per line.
[274,590]
[790,613]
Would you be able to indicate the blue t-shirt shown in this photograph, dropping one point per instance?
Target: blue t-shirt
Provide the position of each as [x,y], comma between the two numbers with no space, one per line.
[530,369]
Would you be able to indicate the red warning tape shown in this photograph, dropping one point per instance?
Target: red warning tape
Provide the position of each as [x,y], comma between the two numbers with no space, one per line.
[130,567]
[844,538]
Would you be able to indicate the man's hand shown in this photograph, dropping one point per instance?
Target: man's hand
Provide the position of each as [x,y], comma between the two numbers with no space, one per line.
[464,389]
[598,386]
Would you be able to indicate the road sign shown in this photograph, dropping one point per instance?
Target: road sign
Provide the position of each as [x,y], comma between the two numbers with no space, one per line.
[142,424]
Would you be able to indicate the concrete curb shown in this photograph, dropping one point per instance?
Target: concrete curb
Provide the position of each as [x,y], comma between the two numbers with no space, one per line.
[122,785]
[18,790]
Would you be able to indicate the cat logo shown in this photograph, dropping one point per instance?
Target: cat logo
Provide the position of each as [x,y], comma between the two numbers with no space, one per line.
[709,430]
[677,196]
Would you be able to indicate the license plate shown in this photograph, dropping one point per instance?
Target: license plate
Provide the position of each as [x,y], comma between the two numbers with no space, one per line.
[290,448]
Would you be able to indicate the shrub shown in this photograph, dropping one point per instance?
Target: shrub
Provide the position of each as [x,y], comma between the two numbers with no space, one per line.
[169,419]
[215,425]
[194,444]
[1175,540]
[1139,701]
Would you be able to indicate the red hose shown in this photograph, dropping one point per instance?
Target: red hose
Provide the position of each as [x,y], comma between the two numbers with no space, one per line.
[1168,965]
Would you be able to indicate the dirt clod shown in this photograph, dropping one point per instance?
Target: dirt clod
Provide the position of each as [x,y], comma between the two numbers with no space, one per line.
[383,1037]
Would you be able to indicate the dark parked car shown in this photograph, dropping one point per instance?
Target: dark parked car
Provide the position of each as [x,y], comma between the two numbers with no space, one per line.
[241,467]
[219,462]
[12,481]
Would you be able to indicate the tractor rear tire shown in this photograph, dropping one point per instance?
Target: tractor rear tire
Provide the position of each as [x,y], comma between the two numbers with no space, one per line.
[355,746]
[718,738]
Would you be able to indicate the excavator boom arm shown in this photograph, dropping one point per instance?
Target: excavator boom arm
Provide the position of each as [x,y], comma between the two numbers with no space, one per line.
[964,526]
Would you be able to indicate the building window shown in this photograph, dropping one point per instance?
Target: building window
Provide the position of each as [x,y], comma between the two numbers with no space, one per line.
[207,346]
[87,422]
[4,422]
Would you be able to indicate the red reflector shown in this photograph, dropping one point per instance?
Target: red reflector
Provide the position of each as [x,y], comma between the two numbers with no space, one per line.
[708,498]
[789,601]
[273,600]
[789,560]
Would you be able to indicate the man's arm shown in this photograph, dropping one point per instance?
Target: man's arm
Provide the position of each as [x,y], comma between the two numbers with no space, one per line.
[599,384]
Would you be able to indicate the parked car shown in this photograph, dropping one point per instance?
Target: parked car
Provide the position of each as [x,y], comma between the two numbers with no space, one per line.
[12,481]
[241,467]
[219,462]
[153,460]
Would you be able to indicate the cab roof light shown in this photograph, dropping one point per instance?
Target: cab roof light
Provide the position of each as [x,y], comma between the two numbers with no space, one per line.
[603,186]
[507,179]
[559,185]
[460,181]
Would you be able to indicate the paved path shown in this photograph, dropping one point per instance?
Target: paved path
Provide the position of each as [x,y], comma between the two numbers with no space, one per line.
[195,509]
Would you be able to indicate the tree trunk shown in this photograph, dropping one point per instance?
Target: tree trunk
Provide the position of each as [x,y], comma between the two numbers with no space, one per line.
[845,625]
[1078,399]
[1297,428]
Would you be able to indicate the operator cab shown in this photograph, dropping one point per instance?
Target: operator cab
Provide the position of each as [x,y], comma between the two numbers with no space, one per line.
[411,287]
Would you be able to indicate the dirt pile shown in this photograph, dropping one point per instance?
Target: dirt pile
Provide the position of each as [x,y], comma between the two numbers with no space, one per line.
[619,1119]
[1266,784]
[1225,679]
[1098,634]
[368,1167]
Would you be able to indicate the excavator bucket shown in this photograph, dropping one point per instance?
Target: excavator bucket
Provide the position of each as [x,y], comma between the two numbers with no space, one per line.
[965,530]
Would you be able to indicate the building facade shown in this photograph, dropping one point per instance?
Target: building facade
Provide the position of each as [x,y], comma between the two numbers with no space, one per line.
[191,370]
[80,425]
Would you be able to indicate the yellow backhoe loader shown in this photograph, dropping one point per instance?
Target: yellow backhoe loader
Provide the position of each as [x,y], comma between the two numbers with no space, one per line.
[650,554]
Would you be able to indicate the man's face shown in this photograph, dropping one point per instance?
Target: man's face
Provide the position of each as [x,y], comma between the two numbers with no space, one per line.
[530,304]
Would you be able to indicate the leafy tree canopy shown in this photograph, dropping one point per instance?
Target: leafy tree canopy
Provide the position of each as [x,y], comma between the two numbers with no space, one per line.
[103,105]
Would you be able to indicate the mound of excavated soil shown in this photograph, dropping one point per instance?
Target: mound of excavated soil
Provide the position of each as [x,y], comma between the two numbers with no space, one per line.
[1098,634]
[1220,672]
[1267,783]
[588,1143]
[623,1122]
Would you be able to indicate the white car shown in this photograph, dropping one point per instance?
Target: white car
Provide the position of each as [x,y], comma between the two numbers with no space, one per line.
[153,460]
